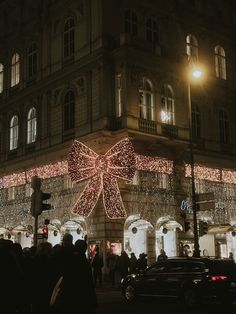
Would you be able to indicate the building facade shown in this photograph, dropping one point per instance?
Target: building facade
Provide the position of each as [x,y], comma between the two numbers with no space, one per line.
[100,71]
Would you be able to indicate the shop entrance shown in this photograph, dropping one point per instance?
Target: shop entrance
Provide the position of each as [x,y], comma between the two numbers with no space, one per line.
[166,238]
[136,235]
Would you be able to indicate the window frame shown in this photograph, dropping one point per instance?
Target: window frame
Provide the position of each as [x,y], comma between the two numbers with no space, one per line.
[118,95]
[196,121]
[31,125]
[14,132]
[69,38]
[69,111]
[224,127]
[32,60]
[220,62]
[152,31]
[168,104]
[15,69]
[192,47]
[146,99]
[131,22]
[1,77]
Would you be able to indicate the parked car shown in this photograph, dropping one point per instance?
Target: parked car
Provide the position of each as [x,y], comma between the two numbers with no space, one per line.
[191,279]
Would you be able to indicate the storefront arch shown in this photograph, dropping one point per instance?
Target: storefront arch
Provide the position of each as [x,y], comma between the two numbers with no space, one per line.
[166,235]
[136,235]
[76,227]
[21,235]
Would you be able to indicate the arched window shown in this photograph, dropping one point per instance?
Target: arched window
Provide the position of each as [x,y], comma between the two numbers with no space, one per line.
[192,47]
[69,111]
[1,77]
[146,99]
[15,69]
[196,121]
[167,105]
[32,60]
[14,132]
[131,23]
[152,33]
[220,62]
[224,126]
[69,37]
[31,126]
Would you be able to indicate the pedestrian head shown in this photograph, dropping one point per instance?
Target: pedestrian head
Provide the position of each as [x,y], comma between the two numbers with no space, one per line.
[80,246]
[67,240]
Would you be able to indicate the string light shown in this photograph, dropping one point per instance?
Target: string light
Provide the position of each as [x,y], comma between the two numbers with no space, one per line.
[102,175]
[45,171]
[211,174]
[154,164]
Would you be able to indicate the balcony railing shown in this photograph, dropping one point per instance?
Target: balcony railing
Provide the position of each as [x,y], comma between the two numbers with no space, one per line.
[169,130]
[159,129]
[148,126]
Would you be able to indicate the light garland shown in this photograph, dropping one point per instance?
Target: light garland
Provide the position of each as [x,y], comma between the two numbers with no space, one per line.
[211,174]
[229,176]
[154,164]
[45,171]
[60,168]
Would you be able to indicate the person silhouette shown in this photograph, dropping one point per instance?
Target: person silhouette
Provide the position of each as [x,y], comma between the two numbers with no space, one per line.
[162,256]
[78,290]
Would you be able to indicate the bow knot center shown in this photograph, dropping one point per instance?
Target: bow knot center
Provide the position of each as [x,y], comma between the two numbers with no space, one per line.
[101,164]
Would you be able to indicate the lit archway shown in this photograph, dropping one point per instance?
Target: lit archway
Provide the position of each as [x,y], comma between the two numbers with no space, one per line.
[166,235]
[20,234]
[76,227]
[136,235]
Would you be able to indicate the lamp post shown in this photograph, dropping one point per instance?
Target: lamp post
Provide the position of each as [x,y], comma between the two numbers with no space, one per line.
[195,74]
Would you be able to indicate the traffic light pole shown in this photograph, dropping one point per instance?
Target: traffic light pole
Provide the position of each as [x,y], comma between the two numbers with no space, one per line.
[36,230]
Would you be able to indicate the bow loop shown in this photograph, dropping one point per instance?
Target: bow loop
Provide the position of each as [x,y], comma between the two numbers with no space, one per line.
[81,162]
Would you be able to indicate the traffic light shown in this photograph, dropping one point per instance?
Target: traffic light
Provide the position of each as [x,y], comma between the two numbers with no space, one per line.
[203,228]
[38,197]
[35,197]
[187,226]
[45,232]
[44,197]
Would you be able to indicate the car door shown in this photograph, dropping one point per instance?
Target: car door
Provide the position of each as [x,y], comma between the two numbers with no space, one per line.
[152,280]
[172,279]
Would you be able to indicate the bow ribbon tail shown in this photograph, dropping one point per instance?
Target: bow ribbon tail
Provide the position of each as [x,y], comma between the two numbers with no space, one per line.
[89,197]
[112,200]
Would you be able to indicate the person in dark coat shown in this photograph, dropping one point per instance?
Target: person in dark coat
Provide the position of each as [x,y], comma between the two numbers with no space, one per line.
[11,276]
[133,263]
[162,256]
[141,262]
[78,292]
[112,264]
[124,264]
[97,265]
[43,274]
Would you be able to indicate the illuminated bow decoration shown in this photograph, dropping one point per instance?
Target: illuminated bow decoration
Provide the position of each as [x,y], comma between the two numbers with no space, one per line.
[102,171]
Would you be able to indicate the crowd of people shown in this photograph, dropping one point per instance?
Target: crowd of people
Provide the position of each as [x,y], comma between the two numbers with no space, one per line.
[29,275]
[120,266]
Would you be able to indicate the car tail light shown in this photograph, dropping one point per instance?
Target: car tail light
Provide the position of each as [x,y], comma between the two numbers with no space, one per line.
[218,278]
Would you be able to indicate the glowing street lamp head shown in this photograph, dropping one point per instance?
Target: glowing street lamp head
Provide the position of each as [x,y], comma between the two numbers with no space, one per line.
[197,73]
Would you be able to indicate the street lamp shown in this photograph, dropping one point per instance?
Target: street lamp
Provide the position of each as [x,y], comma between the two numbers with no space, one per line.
[194,74]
